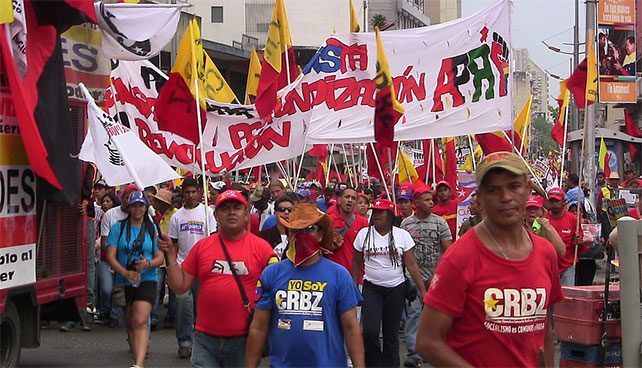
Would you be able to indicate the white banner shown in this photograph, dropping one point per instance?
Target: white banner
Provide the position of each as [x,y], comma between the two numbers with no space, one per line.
[112,146]
[452,79]
[234,136]
[136,31]
[17,265]
[17,36]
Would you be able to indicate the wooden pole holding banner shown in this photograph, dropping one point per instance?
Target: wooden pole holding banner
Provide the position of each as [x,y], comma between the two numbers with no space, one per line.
[579,185]
[559,180]
[328,164]
[392,174]
[399,159]
[200,137]
[298,171]
[336,168]
[347,164]
[434,162]
[374,153]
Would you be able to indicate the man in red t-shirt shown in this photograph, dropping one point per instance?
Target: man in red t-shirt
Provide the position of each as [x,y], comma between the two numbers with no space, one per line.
[221,313]
[446,207]
[487,304]
[566,225]
[344,234]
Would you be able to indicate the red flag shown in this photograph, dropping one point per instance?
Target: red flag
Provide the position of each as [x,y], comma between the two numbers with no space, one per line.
[382,155]
[576,83]
[493,142]
[319,150]
[450,163]
[632,130]
[277,55]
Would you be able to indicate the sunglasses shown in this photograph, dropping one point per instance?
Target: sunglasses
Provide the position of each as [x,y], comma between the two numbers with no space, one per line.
[308,230]
[284,209]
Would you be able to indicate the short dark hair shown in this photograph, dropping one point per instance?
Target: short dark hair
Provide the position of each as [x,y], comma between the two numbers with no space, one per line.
[189,182]
[152,189]
[573,178]
[282,199]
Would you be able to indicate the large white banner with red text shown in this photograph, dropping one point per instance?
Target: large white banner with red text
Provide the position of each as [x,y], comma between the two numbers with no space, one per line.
[234,136]
[453,79]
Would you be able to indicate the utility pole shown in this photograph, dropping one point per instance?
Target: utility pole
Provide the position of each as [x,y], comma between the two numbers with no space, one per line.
[590,110]
[365,16]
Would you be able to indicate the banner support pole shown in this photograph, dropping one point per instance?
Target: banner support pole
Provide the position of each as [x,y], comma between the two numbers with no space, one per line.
[200,137]
[374,153]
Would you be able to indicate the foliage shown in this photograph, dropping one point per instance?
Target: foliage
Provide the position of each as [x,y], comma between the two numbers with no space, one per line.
[378,20]
[542,143]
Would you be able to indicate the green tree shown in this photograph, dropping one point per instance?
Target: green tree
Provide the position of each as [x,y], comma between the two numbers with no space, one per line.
[541,142]
[378,20]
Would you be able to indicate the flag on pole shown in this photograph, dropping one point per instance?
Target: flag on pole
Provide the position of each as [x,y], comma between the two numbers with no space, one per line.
[176,107]
[407,171]
[604,158]
[6,11]
[253,75]
[521,126]
[354,21]
[450,161]
[591,70]
[118,153]
[388,110]
[214,86]
[557,132]
[634,131]
[476,155]
[493,142]
[136,32]
[274,72]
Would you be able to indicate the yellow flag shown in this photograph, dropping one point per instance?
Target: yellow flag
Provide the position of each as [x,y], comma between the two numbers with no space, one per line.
[591,70]
[384,78]
[406,168]
[522,121]
[278,38]
[215,86]
[253,74]
[468,164]
[6,11]
[602,155]
[354,21]
[189,60]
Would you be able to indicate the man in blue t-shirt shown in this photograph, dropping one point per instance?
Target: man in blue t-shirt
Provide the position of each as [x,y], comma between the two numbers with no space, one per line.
[307,307]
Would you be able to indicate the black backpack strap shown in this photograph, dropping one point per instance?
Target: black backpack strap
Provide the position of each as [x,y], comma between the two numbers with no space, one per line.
[246,301]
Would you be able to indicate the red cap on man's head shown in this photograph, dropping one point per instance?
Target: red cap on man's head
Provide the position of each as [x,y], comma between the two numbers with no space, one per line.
[535,201]
[230,195]
[129,189]
[443,182]
[556,193]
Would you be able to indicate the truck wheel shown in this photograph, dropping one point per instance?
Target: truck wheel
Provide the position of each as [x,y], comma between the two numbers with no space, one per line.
[9,336]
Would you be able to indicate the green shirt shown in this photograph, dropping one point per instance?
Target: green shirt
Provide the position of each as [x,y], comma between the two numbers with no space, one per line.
[469,224]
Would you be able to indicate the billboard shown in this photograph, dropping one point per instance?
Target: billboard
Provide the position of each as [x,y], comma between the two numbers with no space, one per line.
[616,50]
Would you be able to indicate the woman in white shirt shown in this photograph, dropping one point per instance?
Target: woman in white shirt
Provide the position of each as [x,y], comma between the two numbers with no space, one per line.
[382,250]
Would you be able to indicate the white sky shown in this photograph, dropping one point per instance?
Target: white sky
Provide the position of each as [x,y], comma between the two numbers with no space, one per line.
[537,20]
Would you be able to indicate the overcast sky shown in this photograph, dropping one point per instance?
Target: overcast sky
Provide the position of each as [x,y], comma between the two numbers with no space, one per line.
[537,20]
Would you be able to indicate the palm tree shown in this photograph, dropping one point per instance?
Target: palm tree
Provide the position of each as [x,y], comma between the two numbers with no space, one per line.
[378,20]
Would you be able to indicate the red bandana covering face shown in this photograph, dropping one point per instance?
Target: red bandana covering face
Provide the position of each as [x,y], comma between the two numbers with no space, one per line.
[301,248]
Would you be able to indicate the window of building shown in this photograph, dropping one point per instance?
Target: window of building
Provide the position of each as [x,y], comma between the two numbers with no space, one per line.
[217,14]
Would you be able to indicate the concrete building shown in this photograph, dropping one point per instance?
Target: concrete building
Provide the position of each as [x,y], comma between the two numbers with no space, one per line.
[403,13]
[440,11]
[528,78]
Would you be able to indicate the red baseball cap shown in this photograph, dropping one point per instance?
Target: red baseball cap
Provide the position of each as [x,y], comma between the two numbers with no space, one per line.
[535,201]
[230,195]
[556,193]
[383,204]
[443,182]
[129,189]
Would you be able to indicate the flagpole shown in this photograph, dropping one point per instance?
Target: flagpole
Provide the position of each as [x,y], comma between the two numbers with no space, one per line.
[392,174]
[345,157]
[559,181]
[336,168]
[521,146]
[354,165]
[405,166]
[434,160]
[365,161]
[329,165]
[472,152]
[524,161]
[200,137]
[300,163]
[374,153]
[287,63]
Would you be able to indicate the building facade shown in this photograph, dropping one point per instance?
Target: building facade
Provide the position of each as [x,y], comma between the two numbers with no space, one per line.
[528,78]
[440,11]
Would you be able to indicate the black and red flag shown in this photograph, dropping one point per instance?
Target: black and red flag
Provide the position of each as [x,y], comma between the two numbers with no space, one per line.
[40,99]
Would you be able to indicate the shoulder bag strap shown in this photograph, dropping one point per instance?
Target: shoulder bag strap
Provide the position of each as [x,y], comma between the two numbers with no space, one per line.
[246,301]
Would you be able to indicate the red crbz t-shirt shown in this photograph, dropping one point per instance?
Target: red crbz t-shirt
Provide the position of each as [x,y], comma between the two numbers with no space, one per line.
[565,227]
[499,306]
[220,310]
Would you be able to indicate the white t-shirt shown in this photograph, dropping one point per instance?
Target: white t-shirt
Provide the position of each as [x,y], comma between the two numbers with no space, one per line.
[377,264]
[188,227]
[111,218]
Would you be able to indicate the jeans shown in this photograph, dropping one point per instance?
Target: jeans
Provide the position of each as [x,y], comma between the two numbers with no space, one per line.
[214,351]
[160,293]
[105,284]
[186,314]
[382,308]
[567,277]
[91,264]
[412,324]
